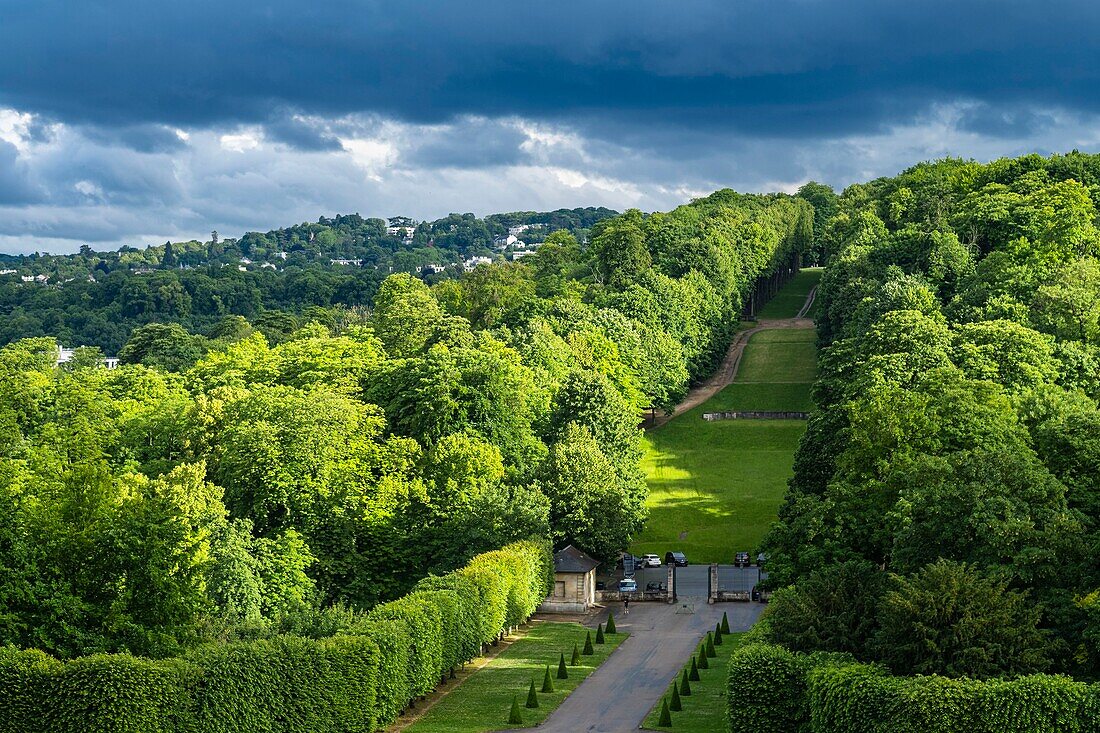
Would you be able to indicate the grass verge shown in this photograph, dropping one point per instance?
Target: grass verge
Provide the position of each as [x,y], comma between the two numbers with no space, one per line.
[705,709]
[482,701]
[788,301]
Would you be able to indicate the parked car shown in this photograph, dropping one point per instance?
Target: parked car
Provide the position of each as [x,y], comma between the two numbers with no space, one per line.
[628,585]
[676,558]
[651,561]
[741,560]
[654,586]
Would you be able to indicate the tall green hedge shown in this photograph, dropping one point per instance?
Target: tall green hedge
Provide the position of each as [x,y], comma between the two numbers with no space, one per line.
[360,680]
[26,687]
[771,688]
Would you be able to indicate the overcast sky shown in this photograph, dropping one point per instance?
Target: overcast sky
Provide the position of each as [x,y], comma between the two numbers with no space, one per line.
[129,122]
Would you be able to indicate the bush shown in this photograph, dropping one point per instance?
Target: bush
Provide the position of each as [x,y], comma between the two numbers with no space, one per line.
[424,629]
[361,679]
[292,685]
[772,688]
[121,694]
[26,689]
[767,689]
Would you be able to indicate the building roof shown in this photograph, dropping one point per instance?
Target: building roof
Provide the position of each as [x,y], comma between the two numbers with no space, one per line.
[571,560]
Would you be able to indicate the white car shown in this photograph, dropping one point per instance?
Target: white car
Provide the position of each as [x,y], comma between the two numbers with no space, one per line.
[651,561]
[628,585]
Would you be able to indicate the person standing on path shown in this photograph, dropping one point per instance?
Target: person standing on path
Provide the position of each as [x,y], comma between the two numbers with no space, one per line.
[626,606]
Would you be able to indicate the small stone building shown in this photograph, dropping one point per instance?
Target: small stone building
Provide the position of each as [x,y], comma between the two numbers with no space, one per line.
[574,582]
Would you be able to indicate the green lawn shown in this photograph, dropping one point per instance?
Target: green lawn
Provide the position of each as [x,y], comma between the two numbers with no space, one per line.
[482,701]
[715,487]
[705,709]
[780,356]
[788,301]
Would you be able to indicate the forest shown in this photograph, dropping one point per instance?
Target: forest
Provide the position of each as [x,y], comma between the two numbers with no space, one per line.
[944,516]
[259,482]
[95,299]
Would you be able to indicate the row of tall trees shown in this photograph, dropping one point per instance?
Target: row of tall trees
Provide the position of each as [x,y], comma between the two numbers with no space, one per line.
[949,482]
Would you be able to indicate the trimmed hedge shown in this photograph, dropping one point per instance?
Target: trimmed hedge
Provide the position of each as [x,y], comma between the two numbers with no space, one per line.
[772,688]
[360,680]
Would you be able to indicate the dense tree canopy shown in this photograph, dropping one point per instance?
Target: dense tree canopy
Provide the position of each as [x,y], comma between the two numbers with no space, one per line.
[333,435]
[954,444]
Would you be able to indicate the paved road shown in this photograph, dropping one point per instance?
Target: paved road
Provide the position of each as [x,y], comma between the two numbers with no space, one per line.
[617,696]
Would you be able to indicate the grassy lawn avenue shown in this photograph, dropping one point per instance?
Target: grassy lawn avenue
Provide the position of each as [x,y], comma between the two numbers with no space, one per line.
[715,487]
[705,710]
[788,301]
[482,701]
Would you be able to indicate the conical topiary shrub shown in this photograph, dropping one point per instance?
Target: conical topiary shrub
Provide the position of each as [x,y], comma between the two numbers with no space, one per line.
[547,681]
[718,634]
[563,673]
[676,705]
[693,675]
[725,623]
[702,656]
[514,717]
[532,696]
[599,634]
[685,686]
[666,717]
[588,650]
[576,658]
[611,624]
[711,651]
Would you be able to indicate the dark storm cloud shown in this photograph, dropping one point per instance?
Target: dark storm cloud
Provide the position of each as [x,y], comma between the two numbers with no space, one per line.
[798,68]
[15,189]
[469,143]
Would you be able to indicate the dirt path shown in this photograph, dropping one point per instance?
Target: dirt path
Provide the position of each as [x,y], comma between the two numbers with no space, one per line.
[727,371]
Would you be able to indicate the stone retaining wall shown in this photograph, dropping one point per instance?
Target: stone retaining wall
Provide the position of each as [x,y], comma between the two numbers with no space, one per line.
[755,415]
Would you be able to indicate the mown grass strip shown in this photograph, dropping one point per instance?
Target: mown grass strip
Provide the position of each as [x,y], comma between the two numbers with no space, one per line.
[482,702]
[704,711]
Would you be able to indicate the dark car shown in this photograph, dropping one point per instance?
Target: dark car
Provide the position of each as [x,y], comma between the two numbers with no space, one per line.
[654,586]
[676,558]
[741,560]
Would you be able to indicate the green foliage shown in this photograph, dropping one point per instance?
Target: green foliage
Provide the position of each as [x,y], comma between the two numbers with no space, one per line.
[693,675]
[767,689]
[599,633]
[701,655]
[676,705]
[666,717]
[563,671]
[710,646]
[957,319]
[685,684]
[514,716]
[949,619]
[718,634]
[532,697]
[575,659]
[725,623]
[357,680]
[611,624]
[547,681]
[588,650]
[776,689]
